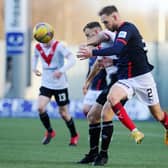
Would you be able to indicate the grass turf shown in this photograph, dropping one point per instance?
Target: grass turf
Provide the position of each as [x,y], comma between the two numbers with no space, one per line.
[20,146]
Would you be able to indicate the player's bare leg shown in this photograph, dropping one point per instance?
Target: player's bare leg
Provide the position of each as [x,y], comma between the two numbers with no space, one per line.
[50,133]
[94,117]
[86,109]
[115,96]
[162,117]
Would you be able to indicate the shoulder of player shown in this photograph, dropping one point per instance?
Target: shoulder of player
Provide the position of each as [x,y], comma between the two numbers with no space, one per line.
[108,34]
[36,45]
[60,45]
[126,26]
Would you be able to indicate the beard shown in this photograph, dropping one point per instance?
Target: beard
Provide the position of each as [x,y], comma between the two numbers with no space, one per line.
[113,28]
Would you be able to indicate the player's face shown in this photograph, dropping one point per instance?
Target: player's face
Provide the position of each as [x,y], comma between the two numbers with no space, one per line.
[89,33]
[109,21]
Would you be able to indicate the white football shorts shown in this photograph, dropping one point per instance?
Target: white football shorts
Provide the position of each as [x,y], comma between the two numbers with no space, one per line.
[91,96]
[143,86]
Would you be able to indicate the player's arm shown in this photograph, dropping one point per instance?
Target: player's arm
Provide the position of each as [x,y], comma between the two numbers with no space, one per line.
[99,38]
[93,72]
[117,48]
[69,63]
[67,54]
[34,64]
[121,41]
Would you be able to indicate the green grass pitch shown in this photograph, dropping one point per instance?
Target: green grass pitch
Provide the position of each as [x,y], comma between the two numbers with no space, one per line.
[20,146]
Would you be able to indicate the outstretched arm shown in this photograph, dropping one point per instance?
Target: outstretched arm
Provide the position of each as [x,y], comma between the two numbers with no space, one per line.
[120,42]
[96,40]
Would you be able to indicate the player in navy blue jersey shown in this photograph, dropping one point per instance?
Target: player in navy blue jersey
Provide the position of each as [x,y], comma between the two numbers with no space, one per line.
[134,70]
[102,38]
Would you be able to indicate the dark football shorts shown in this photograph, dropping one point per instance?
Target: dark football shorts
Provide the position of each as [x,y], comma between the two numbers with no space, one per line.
[61,96]
[102,98]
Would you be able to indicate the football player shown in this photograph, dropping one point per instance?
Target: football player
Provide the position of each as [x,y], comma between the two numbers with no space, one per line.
[134,70]
[104,39]
[98,83]
[54,83]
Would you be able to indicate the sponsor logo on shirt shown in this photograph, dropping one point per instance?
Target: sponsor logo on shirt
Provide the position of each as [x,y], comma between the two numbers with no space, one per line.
[122,34]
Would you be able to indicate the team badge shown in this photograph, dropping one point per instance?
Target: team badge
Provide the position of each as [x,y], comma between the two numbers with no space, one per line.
[122,34]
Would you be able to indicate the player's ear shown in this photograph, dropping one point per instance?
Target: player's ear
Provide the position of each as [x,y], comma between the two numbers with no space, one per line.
[115,16]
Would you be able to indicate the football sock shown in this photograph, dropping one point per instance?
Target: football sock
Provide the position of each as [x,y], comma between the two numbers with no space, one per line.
[107,131]
[71,125]
[123,101]
[94,135]
[46,121]
[165,120]
[120,111]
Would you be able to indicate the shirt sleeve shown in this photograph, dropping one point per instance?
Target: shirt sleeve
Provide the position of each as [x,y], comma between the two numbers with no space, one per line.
[35,58]
[68,56]
[110,36]
[121,41]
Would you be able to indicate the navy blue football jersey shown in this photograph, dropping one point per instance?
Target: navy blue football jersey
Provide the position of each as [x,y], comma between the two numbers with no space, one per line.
[130,48]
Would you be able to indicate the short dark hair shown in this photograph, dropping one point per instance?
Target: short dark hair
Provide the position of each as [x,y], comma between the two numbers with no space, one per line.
[91,25]
[107,10]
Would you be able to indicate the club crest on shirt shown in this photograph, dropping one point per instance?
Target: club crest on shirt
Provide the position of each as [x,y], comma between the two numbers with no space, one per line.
[122,34]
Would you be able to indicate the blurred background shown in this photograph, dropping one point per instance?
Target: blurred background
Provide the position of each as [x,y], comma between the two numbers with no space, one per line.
[19,87]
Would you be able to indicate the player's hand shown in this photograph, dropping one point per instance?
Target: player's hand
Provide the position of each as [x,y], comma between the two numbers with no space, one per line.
[84,52]
[37,73]
[57,74]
